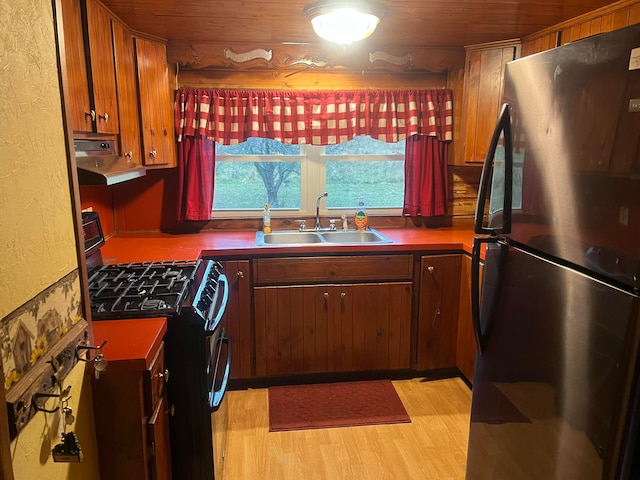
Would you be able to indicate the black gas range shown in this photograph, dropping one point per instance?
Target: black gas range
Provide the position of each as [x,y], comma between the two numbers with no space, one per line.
[192,294]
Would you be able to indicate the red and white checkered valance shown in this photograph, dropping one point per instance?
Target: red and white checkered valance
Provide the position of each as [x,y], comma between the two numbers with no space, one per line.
[318,118]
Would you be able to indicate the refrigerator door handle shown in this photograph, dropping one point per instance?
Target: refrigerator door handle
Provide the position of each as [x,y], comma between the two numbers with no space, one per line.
[481,335]
[503,126]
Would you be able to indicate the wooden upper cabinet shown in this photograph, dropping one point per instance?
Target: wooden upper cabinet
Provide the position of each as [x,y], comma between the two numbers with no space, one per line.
[156,104]
[126,81]
[79,106]
[482,97]
[102,68]
[90,66]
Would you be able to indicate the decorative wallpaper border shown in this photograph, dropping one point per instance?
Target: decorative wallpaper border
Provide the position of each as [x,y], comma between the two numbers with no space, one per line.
[32,330]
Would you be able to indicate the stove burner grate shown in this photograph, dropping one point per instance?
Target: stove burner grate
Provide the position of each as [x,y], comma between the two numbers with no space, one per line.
[140,289]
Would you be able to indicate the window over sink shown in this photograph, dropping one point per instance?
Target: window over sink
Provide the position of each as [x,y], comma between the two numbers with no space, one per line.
[290,177]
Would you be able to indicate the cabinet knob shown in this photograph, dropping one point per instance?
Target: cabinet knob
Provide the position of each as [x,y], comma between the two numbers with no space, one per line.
[430,269]
[343,295]
[164,375]
[128,155]
[240,274]
[152,154]
[91,114]
[326,295]
[105,117]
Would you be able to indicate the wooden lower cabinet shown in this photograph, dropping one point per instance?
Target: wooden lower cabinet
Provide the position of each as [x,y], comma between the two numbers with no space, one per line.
[237,317]
[466,340]
[332,328]
[438,311]
[160,441]
[132,421]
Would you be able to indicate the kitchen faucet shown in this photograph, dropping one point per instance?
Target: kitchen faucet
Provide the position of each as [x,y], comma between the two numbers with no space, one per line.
[324,195]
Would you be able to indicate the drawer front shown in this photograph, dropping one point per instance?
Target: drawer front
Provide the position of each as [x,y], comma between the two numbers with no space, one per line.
[155,378]
[291,270]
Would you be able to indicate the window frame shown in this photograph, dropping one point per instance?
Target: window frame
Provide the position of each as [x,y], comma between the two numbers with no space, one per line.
[313,163]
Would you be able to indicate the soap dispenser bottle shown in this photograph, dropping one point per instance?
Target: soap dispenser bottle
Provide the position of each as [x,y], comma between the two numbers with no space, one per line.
[361,216]
[266,219]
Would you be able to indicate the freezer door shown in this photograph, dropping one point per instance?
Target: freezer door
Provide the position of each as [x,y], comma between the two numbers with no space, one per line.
[551,385]
[575,123]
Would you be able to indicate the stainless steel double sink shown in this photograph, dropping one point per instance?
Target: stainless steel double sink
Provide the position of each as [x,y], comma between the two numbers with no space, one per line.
[323,237]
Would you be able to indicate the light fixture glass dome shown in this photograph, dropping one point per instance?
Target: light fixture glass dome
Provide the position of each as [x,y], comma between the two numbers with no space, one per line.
[344,22]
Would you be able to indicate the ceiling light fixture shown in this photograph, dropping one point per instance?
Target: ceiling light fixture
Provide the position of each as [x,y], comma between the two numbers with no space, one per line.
[344,21]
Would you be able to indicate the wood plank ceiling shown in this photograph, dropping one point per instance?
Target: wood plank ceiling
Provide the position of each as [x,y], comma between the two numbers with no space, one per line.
[418,23]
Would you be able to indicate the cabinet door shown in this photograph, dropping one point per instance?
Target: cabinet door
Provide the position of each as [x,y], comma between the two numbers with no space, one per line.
[466,342]
[332,328]
[159,441]
[156,104]
[76,67]
[381,324]
[289,337]
[237,317]
[483,97]
[337,314]
[103,75]
[125,63]
[438,311]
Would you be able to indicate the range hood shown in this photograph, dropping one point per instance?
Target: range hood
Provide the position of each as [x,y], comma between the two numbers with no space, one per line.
[98,164]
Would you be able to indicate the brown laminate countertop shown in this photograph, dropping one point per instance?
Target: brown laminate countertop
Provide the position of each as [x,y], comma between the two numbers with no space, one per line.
[220,244]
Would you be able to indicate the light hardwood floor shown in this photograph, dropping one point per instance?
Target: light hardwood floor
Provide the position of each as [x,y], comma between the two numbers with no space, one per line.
[432,447]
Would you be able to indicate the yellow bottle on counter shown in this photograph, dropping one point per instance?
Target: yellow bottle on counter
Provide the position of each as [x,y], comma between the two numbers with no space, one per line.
[361,218]
[266,219]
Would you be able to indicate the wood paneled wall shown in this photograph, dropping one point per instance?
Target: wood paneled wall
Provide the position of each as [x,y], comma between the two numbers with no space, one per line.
[308,79]
[296,57]
[613,17]
[150,204]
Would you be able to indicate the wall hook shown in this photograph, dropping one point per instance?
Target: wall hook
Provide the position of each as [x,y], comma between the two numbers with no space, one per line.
[99,362]
[85,349]
[38,396]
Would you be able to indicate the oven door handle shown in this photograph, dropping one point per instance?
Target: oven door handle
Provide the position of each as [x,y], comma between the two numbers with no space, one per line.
[215,397]
[213,325]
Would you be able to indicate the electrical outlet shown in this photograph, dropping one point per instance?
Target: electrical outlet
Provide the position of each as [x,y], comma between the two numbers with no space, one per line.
[623,216]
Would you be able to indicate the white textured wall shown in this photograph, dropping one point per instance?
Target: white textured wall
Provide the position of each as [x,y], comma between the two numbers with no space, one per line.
[36,224]
[37,243]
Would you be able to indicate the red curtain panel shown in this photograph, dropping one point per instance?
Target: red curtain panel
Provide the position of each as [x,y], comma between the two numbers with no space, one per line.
[196,163]
[425,177]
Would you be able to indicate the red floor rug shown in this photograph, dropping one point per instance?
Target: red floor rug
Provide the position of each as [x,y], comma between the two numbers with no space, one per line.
[329,405]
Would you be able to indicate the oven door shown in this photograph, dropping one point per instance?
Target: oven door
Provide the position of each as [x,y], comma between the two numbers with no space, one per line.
[218,367]
[218,346]
[218,378]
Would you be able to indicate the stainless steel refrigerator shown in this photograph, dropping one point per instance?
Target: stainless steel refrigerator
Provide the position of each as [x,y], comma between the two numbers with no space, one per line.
[556,307]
